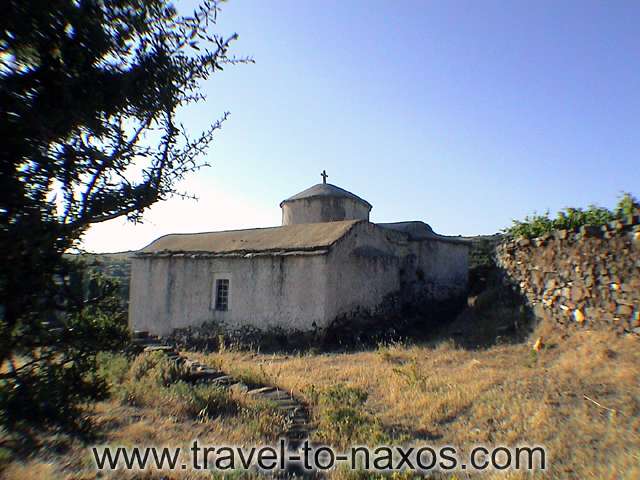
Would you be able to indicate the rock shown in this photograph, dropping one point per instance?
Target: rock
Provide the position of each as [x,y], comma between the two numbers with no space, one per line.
[261,390]
[616,225]
[560,234]
[158,348]
[523,242]
[577,294]
[589,231]
[624,310]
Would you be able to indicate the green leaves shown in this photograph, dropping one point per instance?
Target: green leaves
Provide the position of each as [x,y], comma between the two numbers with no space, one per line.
[573,218]
[90,92]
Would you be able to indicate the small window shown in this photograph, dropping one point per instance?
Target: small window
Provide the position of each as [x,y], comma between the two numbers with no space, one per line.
[222,294]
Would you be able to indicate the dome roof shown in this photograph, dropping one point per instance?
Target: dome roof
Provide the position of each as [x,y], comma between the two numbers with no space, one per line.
[325,190]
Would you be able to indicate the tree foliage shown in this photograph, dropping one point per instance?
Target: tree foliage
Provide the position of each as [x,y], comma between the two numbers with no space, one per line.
[90,92]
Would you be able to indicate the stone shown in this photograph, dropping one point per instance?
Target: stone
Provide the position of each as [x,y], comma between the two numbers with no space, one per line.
[560,234]
[589,231]
[158,348]
[592,278]
[139,334]
[523,242]
[261,390]
[624,310]
[616,225]
[577,294]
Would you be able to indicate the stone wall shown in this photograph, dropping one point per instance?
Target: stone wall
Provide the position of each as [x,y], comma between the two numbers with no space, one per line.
[589,278]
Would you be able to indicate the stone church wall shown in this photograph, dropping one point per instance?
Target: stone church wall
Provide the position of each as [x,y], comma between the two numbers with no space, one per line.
[286,292]
[375,270]
[369,271]
[584,279]
[441,269]
[363,269]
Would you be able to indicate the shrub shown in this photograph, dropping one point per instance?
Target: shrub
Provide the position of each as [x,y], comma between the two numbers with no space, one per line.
[156,368]
[341,417]
[413,375]
[153,380]
[113,368]
[573,218]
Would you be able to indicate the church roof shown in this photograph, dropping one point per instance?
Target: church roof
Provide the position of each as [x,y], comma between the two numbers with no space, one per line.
[325,190]
[301,238]
[417,230]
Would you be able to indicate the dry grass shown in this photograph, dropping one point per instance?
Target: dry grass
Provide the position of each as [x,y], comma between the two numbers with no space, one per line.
[507,394]
[150,407]
[578,396]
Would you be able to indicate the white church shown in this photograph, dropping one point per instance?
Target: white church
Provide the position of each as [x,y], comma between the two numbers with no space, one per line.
[326,262]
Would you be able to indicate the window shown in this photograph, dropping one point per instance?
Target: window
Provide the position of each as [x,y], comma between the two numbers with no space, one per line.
[222,294]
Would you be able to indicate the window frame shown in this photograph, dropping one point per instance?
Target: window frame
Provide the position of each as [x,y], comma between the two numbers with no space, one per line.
[222,295]
[221,280]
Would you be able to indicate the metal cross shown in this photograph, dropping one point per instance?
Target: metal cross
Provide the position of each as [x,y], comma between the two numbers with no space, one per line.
[324,176]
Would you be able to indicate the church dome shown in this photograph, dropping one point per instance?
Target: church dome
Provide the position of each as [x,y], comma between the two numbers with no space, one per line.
[324,202]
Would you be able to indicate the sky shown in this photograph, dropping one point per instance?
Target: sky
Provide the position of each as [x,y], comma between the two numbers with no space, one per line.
[462,114]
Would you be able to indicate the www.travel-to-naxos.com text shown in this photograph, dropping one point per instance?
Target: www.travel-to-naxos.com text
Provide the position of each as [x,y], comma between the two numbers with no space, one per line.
[382,458]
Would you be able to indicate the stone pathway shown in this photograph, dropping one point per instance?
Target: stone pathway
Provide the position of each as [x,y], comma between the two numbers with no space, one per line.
[298,425]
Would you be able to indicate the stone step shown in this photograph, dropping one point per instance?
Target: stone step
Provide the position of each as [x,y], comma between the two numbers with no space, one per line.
[224,379]
[240,387]
[276,395]
[144,342]
[302,426]
[157,347]
[261,390]
[287,405]
[140,334]
[297,434]
[206,376]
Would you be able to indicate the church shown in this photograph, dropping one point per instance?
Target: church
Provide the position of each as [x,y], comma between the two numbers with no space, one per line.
[326,263]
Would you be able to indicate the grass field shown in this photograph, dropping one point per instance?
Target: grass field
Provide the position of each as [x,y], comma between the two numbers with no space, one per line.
[578,396]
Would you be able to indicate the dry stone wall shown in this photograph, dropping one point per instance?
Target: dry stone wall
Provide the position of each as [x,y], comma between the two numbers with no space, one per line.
[589,278]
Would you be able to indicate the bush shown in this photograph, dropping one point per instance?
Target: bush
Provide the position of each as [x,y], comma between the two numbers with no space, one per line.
[51,372]
[573,218]
[153,380]
[341,416]
[113,368]
[156,368]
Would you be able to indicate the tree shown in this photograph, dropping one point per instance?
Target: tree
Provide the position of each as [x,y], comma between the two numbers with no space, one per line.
[89,96]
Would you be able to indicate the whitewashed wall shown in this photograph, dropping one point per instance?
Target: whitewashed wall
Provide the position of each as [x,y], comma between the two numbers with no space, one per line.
[265,292]
[294,292]
[323,209]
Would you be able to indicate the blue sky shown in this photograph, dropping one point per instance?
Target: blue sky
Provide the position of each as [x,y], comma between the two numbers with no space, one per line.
[463,114]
